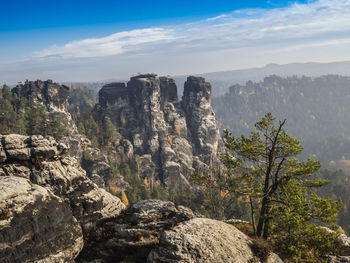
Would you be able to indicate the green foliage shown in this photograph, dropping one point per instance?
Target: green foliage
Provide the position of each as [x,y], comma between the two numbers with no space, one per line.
[137,189]
[214,199]
[87,156]
[280,190]
[81,100]
[110,133]
[22,116]
[57,125]
[88,126]
[294,232]
[11,121]
[36,118]
[339,187]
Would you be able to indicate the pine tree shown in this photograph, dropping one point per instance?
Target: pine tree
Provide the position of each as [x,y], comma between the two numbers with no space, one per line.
[57,125]
[110,133]
[36,118]
[279,186]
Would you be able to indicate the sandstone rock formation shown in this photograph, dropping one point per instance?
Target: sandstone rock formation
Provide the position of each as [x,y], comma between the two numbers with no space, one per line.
[48,207]
[172,139]
[55,99]
[158,231]
[134,233]
[205,240]
[48,93]
[35,224]
[45,162]
[338,259]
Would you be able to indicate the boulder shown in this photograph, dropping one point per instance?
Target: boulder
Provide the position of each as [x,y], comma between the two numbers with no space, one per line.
[134,233]
[205,240]
[35,224]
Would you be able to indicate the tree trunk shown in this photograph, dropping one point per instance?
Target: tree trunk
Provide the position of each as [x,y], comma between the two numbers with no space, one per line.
[266,228]
[262,217]
[252,214]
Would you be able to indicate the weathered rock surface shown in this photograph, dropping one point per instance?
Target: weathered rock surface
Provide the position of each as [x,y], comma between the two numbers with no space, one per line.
[159,231]
[344,249]
[345,245]
[172,138]
[35,224]
[44,162]
[338,259]
[48,93]
[55,99]
[134,233]
[203,240]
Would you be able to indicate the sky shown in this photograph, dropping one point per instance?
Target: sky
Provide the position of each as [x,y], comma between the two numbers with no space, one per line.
[85,40]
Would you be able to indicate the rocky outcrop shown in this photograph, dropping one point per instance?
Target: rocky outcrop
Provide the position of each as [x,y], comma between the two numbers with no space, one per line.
[45,162]
[171,138]
[134,233]
[53,95]
[158,231]
[205,240]
[344,241]
[55,99]
[35,224]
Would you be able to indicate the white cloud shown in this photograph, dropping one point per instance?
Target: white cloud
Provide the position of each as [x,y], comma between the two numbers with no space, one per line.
[114,44]
[217,17]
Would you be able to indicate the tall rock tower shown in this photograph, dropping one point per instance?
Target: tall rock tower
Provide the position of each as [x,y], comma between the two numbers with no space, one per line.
[171,139]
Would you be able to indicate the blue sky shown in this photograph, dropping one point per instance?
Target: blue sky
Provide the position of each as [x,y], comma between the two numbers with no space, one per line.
[29,25]
[92,40]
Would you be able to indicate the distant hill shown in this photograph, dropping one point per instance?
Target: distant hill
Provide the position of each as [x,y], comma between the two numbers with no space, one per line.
[317,111]
[221,81]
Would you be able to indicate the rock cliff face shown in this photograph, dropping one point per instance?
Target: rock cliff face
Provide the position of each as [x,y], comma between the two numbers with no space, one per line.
[48,93]
[171,138]
[45,162]
[55,98]
[35,224]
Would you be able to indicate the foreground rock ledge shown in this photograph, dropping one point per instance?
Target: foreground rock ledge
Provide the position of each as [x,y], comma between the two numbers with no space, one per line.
[35,224]
[45,162]
[205,240]
[49,206]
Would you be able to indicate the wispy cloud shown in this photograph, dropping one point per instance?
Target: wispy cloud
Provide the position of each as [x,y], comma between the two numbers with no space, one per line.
[217,17]
[114,44]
